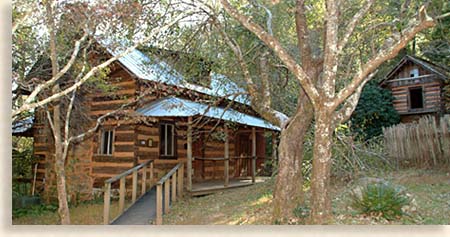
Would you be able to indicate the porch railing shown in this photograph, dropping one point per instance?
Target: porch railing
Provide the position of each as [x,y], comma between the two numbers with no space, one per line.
[172,181]
[227,166]
[122,188]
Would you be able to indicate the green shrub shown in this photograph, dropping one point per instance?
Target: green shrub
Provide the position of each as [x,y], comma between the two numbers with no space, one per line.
[380,199]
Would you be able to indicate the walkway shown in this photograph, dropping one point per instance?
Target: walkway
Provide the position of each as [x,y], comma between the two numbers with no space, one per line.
[143,212]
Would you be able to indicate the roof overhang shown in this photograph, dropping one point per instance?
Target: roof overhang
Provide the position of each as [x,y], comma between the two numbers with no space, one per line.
[177,107]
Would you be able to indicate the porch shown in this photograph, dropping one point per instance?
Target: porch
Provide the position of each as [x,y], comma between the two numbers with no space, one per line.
[212,186]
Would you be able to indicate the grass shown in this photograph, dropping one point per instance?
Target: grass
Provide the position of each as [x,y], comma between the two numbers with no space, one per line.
[251,205]
[86,213]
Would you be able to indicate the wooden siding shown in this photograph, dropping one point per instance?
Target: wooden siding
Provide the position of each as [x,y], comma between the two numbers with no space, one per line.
[430,84]
[431,97]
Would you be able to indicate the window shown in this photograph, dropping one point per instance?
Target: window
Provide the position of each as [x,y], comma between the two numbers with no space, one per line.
[416,98]
[167,138]
[414,72]
[106,145]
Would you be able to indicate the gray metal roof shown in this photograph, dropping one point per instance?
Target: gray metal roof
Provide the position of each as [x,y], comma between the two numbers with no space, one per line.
[23,125]
[177,107]
[154,69]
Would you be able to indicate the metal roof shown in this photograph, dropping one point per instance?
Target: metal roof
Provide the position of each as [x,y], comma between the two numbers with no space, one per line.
[23,125]
[177,107]
[153,69]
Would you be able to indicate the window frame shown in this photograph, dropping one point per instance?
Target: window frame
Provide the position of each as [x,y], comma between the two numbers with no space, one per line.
[111,139]
[164,154]
[414,72]
[410,101]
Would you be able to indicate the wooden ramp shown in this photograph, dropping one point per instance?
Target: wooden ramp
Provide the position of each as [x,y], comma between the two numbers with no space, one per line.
[142,212]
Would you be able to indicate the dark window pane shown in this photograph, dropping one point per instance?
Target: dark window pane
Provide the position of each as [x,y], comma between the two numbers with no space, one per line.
[163,139]
[416,98]
[169,140]
[110,142]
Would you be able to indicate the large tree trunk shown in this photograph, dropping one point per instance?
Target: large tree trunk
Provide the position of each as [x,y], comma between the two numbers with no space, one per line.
[320,180]
[288,191]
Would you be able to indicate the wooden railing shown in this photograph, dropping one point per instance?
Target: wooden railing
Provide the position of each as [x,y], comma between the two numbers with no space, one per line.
[122,188]
[227,165]
[173,180]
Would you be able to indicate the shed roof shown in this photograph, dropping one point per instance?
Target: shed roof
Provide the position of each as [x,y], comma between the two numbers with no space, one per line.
[177,107]
[441,71]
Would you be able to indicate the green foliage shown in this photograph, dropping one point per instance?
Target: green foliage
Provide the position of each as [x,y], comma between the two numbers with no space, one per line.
[373,112]
[301,211]
[22,157]
[380,199]
[34,210]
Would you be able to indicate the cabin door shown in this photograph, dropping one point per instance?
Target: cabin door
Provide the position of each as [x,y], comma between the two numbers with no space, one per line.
[243,148]
[198,165]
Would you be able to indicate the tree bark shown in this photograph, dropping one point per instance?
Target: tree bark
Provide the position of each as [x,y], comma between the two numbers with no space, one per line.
[320,178]
[288,192]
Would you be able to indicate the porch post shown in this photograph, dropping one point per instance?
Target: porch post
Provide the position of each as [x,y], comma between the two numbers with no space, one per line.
[189,155]
[274,151]
[227,157]
[253,154]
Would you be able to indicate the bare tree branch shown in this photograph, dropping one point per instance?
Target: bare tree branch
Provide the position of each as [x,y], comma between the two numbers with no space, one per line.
[350,104]
[276,46]
[391,48]
[351,26]
[31,105]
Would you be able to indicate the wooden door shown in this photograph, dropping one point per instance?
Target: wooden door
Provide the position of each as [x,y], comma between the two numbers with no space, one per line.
[198,165]
[243,148]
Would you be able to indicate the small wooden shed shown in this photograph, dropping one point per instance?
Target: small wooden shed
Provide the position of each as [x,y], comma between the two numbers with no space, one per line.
[417,85]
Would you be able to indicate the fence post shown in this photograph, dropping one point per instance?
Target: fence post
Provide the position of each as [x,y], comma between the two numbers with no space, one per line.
[134,188]
[144,180]
[107,203]
[159,204]
[122,195]
[151,173]
[166,196]
[180,180]
[174,187]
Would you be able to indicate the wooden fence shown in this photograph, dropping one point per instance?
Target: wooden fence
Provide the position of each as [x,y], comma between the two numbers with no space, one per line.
[424,144]
[122,188]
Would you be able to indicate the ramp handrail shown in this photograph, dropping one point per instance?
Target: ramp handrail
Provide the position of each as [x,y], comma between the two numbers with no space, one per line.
[122,188]
[173,180]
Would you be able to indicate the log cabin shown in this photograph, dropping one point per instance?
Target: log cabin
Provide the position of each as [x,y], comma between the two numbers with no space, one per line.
[417,86]
[174,119]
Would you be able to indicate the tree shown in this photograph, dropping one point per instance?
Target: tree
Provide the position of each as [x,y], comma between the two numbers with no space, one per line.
[336,87]
[373,112]
[72,32]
